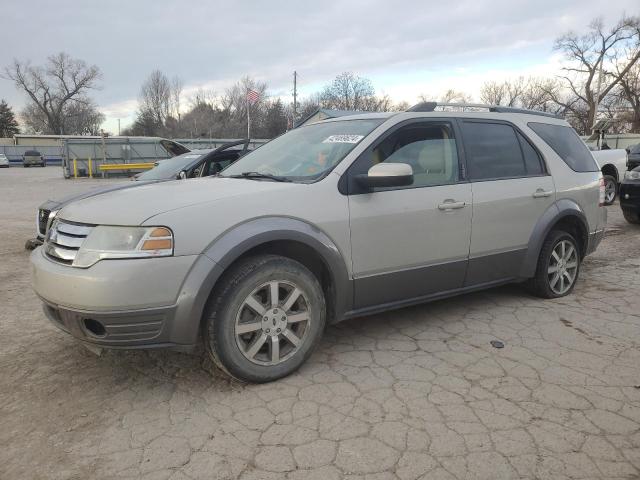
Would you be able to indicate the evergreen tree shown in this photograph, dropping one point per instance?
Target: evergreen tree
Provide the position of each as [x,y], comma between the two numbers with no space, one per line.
[8,123]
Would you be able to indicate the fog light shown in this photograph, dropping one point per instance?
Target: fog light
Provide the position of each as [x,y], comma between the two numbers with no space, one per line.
[94,327]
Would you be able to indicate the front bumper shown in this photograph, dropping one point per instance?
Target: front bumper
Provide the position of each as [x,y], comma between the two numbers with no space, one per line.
[629,195]
[132,303]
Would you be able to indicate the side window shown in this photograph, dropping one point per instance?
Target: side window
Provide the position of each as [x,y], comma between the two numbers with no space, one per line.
[429,149]
[492,151]
[566,143]
[532,161]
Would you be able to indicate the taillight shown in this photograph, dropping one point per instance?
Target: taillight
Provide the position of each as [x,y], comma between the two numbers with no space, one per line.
[601,198]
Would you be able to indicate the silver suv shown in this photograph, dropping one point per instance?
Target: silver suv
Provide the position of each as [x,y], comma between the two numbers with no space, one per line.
[334,220]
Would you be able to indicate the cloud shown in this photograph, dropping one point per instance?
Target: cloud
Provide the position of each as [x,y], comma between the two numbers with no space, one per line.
[405,47]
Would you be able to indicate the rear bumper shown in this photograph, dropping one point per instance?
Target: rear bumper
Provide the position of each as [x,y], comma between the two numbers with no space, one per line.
[594,240]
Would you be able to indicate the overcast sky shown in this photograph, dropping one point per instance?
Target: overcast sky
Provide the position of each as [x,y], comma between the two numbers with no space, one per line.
[405,47]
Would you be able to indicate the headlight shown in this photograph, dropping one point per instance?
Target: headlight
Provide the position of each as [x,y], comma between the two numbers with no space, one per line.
[632,175]
[124,242]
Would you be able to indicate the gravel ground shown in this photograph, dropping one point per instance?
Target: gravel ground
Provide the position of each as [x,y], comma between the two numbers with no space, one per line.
[415,393]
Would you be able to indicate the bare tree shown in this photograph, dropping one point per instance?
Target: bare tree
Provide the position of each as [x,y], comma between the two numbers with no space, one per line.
[350,92]
[176,93]
[56,88]
[599,50]
[629,97]
[493,93]
[450,96]
[155,96]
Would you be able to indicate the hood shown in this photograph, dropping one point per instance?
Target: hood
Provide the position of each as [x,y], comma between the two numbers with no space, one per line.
[57,204]
[132,206]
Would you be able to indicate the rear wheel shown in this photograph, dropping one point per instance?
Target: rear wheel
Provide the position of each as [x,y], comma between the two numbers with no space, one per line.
[265,320]
[631,216]
[610,189]
[558,266]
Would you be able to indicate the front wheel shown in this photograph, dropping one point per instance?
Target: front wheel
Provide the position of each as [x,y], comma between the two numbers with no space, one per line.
[264,321]
[610,189]
[558,266]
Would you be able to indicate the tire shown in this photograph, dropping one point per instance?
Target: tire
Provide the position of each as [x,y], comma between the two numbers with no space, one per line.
[235,351]
[542,284]
[631,216]
[610,189]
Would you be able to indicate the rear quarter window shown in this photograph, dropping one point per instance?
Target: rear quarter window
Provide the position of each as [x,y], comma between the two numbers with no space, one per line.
[566,143]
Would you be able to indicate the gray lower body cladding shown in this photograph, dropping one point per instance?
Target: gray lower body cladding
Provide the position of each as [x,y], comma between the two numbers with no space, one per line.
[126,329]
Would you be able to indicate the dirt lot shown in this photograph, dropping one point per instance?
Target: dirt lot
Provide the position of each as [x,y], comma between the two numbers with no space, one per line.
[416,393]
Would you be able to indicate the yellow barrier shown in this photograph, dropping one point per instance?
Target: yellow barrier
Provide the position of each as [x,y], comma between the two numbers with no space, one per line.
[125,166]
[90,169]
[75,168]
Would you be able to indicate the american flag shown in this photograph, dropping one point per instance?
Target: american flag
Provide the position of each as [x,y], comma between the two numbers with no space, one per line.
[252,96]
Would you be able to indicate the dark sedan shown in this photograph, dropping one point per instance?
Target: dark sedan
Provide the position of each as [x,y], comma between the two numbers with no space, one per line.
[196,163]
[630,196]
[633,156]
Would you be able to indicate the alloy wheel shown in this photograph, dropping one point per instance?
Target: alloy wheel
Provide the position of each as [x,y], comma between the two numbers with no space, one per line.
[272,322]
[563,267]
[610,191]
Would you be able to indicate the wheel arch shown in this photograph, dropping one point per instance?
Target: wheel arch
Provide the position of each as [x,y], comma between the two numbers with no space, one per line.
[611,170]
[285,236]
[565,215]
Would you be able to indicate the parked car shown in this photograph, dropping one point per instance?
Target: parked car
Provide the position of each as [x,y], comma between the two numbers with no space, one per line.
[333,220]
[196,163]
[633,156]
[613,164]
[33,157]
[4,161]
[630,196]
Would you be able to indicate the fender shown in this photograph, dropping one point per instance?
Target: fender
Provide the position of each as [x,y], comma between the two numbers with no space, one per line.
[561,209]
[232,244]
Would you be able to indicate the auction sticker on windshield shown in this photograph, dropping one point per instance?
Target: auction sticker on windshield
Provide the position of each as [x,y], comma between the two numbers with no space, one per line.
[343,139]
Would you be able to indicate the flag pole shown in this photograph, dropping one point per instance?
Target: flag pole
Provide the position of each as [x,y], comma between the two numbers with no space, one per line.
[248,116]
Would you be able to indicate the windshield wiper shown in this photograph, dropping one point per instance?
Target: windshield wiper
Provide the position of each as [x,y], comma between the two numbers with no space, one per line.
[258,175]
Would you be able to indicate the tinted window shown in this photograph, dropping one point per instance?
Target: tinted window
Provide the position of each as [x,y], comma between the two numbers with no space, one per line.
[429,149]
[170,167]
[492,151]
[532,160]
[566,143]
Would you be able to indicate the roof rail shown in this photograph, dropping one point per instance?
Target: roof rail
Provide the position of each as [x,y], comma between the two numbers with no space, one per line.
[431,107]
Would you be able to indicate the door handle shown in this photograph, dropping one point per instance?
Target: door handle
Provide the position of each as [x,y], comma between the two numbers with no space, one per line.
[451,205]
[540,193]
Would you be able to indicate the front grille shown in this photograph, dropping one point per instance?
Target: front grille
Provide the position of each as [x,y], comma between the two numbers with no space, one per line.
[64,240]
[43,219]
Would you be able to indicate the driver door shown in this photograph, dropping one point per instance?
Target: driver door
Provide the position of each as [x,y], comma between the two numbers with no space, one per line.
[411,242]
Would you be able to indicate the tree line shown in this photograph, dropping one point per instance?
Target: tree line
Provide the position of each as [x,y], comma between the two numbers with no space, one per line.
[599,78]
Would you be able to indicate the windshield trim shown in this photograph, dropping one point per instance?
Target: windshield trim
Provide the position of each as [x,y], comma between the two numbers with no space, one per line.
[325,173]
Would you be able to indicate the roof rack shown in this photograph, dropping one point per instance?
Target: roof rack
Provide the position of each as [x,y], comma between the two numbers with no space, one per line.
[431,107]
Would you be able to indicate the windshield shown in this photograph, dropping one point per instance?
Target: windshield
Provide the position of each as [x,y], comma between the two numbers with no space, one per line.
[307,153]
[169,168]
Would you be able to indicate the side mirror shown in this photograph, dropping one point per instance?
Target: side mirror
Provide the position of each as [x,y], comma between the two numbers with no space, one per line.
[182,175]
[387,175]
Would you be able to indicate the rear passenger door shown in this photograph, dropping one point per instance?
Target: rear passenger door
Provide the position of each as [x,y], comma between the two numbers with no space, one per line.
[511,190]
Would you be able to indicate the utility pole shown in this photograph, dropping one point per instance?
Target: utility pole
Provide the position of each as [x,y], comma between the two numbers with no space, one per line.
[118,127]
[599,86]
[295,98]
